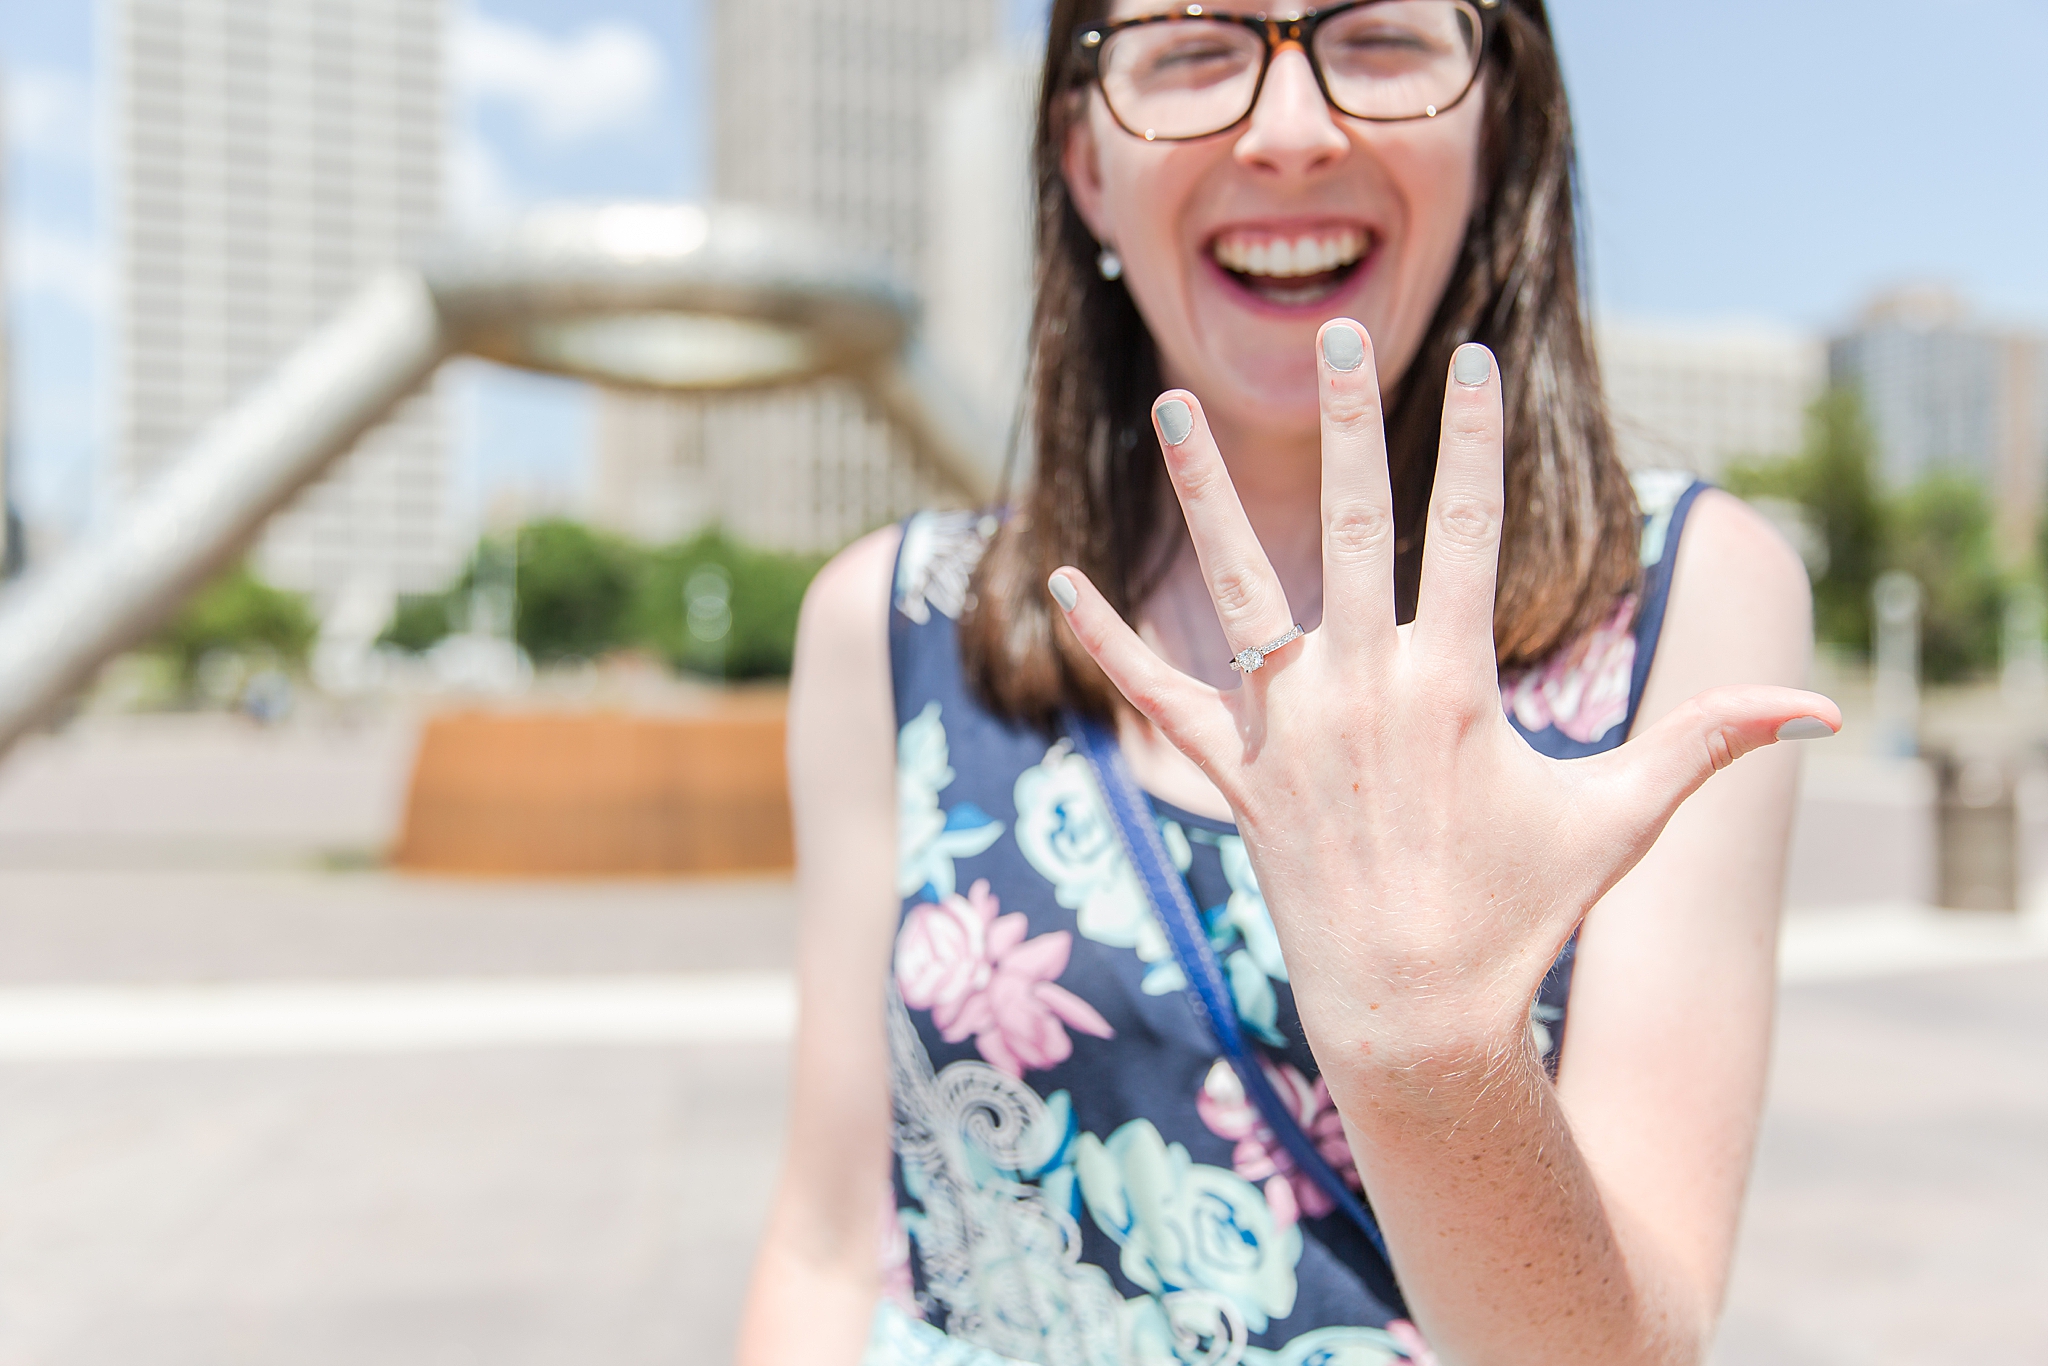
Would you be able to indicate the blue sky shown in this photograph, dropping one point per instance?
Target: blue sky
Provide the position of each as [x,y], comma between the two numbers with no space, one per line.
[1745,158]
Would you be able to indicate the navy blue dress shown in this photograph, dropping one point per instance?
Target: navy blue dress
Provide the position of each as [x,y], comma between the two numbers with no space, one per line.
[1078,1177]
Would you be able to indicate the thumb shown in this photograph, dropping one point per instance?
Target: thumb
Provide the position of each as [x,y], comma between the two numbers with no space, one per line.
[1668,762]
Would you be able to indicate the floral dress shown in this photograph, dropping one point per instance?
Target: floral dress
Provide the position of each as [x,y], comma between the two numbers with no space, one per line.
[1078,1178]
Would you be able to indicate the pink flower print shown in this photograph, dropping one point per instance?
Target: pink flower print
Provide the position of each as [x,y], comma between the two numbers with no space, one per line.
[1582,689]
[942,953]
[1413,1345]
[978,975]
[1259,1156]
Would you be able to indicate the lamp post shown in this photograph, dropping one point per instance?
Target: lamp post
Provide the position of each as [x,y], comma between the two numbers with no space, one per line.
[654,296]
[1895,599]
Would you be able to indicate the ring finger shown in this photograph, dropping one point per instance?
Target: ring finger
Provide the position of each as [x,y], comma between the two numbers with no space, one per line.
[1249,600]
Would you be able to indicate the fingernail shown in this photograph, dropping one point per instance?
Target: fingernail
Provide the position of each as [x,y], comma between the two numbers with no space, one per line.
[1062,589]
[1343,348]
[1473,364]
[1805,728]
[1175,421]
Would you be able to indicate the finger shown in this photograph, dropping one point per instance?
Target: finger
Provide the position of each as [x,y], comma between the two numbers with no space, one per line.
[1246,592]
[1358,499]
[1188,712]
[1461,546]
[1656,771]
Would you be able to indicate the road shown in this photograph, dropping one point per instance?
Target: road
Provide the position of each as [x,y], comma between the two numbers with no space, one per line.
[238,1158]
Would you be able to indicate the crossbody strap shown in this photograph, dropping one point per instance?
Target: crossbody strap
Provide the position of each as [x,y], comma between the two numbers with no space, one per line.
[1168,892]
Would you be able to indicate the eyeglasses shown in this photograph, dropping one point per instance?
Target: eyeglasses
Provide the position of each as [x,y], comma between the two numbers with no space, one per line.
[1193,73]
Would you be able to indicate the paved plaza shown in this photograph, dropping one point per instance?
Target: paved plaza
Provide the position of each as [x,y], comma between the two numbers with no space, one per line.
[228,1154]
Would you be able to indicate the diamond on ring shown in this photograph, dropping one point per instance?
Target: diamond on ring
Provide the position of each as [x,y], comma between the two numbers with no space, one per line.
[1253,658]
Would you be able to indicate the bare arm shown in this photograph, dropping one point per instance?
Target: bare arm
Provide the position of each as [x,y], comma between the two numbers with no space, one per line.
[815,1280]
[1675,982]
[1601,1213]
[1424,864]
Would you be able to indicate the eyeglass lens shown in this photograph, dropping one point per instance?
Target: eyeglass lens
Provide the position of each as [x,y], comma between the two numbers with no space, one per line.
[1188,77]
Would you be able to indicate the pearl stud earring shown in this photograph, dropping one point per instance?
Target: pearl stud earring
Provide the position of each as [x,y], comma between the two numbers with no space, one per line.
[1110,264]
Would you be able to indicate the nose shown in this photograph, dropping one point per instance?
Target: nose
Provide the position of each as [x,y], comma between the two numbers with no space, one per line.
[1291,129]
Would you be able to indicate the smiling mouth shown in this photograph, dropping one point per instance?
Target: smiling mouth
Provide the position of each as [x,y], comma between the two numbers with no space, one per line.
[1291,269]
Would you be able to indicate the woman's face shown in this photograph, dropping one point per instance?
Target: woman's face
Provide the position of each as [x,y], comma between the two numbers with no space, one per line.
[1197,225]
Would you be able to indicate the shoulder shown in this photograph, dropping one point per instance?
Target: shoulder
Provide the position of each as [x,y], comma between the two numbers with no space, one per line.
[1740,608]
[840,683]
[854,582]
[1735,573]
[845,611]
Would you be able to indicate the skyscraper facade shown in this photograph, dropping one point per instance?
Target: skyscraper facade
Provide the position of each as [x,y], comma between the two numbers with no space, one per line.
[1945,392]
[270,156]
[823,110]
[1695,396]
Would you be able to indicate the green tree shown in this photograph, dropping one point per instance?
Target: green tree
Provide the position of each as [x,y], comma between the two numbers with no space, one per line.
[1939,530]
[1834,480]
[707,605]
[1941,534]
[678,615]
[239,613]
[420,621]
[575,589]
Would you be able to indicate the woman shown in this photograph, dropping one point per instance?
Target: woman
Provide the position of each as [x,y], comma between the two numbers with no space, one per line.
[1402,885]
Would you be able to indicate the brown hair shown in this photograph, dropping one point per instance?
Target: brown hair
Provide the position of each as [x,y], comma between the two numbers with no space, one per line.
[1099,499]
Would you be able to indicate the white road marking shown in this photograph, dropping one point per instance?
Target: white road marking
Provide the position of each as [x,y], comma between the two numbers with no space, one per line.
[257,1019]
[297,1018]
[1885,941]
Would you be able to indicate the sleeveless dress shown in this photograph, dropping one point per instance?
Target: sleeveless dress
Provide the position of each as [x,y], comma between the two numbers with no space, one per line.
[1078,1178]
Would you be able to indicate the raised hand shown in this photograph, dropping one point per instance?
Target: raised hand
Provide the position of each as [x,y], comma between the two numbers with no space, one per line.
[1422,863]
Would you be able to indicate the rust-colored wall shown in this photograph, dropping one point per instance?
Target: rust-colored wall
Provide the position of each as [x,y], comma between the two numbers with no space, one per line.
[594,794]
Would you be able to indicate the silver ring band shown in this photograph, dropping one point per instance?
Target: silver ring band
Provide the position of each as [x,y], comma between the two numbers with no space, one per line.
[1251,660]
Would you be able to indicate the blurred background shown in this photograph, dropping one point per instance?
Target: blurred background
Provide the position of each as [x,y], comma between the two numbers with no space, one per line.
[394,949]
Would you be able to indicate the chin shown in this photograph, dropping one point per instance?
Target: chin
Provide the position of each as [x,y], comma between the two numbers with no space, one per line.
[1270,389]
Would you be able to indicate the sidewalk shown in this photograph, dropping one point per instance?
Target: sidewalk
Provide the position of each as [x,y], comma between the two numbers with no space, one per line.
[1897,1211]
[261,1111]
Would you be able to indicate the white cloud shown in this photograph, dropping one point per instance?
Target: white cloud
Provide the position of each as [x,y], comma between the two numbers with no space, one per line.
[63,266]
[605,78]
[49,114]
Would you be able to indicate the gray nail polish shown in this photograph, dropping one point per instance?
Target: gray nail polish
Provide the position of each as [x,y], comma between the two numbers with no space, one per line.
[1343,348]
[1062,589]
[1805,728]
[1175,421]
[1473,364]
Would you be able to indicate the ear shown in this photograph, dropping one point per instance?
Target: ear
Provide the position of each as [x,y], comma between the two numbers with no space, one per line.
[1081,168]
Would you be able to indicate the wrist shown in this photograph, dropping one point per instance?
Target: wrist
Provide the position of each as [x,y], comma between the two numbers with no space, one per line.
[1433,1061]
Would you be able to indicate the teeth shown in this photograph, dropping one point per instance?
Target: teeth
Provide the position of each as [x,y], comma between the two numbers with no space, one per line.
[1283,258]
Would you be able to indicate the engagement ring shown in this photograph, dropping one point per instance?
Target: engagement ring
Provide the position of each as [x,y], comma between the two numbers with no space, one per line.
[1249,661]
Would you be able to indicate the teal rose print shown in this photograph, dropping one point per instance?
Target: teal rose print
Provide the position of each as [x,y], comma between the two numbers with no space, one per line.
[1240,932]
[1066,833]
[1183,1225]
[928,838]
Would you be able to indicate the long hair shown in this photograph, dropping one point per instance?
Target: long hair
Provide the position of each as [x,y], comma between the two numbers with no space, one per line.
[1097,496]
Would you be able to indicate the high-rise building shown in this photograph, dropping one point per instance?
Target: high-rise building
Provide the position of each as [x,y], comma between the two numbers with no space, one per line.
[824,110]
[1944,392]
[270,156]
[1695,396]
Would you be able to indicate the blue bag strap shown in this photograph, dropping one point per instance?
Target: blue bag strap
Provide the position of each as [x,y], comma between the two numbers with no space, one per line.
[1168,892]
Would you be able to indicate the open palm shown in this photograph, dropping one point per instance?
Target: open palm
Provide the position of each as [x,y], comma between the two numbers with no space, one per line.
[1423,864]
